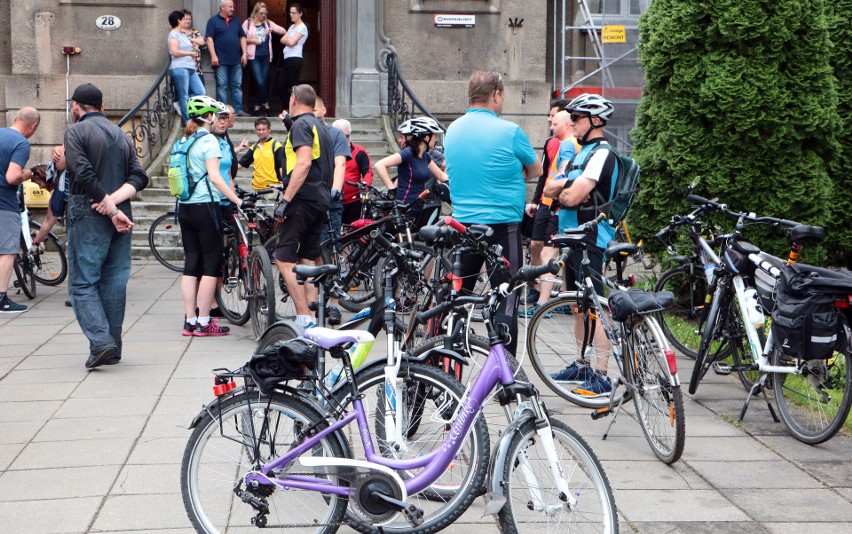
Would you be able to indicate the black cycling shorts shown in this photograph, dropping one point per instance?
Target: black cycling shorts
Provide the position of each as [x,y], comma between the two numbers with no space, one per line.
[299,233]
[545,224]
[202,240]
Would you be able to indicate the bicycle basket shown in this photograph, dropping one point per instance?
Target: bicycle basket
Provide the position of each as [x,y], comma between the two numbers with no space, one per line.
[286,360]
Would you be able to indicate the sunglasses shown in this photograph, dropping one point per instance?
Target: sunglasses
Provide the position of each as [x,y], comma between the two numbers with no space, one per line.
[576,117]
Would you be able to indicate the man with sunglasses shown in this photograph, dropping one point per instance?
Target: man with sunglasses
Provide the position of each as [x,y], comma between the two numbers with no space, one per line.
[487,159]
[594,167]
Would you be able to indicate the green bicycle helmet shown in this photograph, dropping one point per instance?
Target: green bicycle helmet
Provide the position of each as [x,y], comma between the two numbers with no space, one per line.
[198,106]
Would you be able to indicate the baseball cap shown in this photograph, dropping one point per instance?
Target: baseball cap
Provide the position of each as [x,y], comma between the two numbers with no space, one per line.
[88,94]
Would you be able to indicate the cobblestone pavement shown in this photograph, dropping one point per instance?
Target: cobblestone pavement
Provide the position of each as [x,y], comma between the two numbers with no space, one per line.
[100,451]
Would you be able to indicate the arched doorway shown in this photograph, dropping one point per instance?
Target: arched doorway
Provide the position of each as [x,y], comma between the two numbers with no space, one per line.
[318,69]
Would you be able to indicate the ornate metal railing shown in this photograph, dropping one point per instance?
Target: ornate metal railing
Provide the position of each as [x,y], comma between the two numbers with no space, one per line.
[149,122]
[402,103]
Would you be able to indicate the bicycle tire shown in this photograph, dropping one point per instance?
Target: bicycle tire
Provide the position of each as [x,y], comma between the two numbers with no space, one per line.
[552,344]
[276,333]
[360,290]
[741,353]
[801,403]
[284,307]
[212,505]
[24,272]
[706,354]
[50,266]
[681,323]
[165,241]
[232,297]
[659,402]
[595,510]
[451,495]
[261,302]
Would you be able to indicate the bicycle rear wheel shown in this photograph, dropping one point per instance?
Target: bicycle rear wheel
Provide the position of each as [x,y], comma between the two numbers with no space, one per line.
[681,321]
[50,266]
[232,297]
[165,241]
[533,501]
[428,398]
[814,404]
[23,266]
[356,261]
[222,450]
[553,346]
[659,402]
[261,291]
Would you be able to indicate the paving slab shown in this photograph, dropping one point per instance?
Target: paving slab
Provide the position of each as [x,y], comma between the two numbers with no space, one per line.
[49,516]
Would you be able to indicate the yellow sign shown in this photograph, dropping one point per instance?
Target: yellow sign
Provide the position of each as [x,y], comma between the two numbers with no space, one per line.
[613,34]
[35,197]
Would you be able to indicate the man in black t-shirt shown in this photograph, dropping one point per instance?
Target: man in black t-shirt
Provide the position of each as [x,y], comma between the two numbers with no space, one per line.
[309,156]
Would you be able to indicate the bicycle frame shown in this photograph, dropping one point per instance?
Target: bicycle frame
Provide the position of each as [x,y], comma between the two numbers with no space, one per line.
[496,370]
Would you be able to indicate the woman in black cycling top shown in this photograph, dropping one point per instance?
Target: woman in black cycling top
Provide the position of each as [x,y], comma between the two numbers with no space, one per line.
[414,166]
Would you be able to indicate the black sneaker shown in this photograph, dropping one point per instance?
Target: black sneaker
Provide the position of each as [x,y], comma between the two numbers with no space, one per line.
[332,313]
[7,305]
[99,358]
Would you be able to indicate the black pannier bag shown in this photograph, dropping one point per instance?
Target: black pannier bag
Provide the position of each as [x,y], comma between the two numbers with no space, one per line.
[805,322]
[286,360]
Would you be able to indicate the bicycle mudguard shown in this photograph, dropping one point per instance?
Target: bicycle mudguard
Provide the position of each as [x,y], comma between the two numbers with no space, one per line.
[679,260]
[299,329]
[494,485]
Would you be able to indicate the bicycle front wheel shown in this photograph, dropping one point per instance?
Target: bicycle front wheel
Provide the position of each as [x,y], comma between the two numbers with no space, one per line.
[681,323]
[711,349]
[50,266]
[166,242]
[534,502]
[814,404]
[232,297]
[554,347]
[261,291]
[248,431]
[356,262]
[24,272]
[659,402]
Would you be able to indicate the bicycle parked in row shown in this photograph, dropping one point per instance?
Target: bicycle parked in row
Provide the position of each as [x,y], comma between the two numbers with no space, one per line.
[275,438]
[573,341]
[807,369]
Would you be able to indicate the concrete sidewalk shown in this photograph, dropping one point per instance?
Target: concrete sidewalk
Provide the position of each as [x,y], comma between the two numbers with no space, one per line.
[100,451]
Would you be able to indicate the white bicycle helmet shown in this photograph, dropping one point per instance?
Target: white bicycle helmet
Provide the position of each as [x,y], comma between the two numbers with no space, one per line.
[594,105]
[428,123]
[198,106]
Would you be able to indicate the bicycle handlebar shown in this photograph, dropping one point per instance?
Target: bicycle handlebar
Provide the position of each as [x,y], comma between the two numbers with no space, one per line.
[455,225]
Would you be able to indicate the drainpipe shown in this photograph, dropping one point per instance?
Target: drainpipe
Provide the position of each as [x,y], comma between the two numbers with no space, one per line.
[68,51]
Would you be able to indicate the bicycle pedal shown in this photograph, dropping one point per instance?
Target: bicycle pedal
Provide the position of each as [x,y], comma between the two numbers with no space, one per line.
[722,369]
[413,515]
[601,412]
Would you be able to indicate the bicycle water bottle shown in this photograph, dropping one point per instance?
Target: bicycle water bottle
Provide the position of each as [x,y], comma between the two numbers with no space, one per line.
[708,271]
[753,309]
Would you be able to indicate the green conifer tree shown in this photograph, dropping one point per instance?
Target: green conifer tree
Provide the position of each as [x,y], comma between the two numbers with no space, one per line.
[741,93]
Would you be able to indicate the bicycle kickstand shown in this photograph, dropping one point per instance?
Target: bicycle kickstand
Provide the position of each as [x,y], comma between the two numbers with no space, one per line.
[758,388]
[603,412]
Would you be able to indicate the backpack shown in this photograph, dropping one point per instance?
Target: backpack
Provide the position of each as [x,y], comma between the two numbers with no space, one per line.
[181,184]
[805,322]
[624,189]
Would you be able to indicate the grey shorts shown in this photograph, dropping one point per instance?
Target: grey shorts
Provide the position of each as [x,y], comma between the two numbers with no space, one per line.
[10,232]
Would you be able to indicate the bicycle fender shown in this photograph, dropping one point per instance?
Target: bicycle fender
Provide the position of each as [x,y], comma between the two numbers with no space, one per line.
[495,497]
[207,408]
[299,329]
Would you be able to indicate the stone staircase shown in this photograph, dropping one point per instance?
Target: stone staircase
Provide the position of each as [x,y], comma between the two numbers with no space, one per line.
[155,200]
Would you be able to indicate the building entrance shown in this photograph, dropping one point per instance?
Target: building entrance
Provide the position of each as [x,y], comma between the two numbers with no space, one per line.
[318,68]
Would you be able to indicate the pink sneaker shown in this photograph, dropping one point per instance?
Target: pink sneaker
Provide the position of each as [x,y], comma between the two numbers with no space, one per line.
[212,329]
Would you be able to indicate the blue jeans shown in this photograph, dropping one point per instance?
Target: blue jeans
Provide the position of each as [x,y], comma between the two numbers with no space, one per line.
[335,218]
[259,72]
[98,271]
[229,76]
[187,84]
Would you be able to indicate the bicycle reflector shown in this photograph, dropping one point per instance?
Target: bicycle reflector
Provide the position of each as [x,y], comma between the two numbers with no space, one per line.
[670,359]
[222,385]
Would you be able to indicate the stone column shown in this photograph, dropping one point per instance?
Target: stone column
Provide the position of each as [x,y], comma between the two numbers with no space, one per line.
[366,84]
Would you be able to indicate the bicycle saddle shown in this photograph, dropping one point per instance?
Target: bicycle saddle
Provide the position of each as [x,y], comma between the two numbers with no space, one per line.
[615,249]
[430,234]
[328,337]
[569,240]
[623,304]
[804,234]
[303,272]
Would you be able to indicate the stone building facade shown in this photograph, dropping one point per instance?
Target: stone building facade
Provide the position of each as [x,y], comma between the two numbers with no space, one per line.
[348,42]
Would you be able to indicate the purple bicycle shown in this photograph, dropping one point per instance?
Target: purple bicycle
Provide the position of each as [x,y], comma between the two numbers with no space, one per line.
[266,454]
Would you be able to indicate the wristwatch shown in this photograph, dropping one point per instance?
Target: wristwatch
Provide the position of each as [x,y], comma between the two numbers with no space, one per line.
[112,213]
